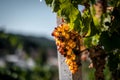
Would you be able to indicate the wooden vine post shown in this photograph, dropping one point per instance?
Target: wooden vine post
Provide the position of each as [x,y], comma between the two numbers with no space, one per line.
[64,72]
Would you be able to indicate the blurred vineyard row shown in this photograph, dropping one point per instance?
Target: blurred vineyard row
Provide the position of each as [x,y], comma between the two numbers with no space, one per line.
[27,57]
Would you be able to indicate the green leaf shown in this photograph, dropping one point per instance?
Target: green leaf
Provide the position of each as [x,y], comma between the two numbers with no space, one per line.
[86,21]
[91,41]
[68,10]
[76,25]
[56,5]
[71,13]
[95,40]
[92,11]
[89,31]
[92,30]
[114,2]
[49,2]
[62,1]
[76,22]
[88,42]
[96,21]
[81,2]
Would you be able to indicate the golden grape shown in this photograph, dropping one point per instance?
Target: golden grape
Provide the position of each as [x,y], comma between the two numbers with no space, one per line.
[68,44]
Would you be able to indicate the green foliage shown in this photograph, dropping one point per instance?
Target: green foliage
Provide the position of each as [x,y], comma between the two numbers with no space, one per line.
[86,18]
[114,58]
[114,63]
[88,25]
[115,25]
[49,2]
[110,41]
[88,42]
[114,2]
[91,41]
[84,23]
[97,25]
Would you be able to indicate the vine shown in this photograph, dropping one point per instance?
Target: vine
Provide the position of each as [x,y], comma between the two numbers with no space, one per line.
[98,26]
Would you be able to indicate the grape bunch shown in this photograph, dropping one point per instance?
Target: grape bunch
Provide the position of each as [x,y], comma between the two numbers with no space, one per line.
[98,57]
[68,44]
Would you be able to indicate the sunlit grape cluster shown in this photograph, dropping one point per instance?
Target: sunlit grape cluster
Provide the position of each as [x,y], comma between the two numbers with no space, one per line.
[68,44]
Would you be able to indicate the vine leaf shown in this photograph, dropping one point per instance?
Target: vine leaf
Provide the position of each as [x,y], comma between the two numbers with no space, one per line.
[56,5]
[62,1]
[92,30]
[76,24]
[92,41]
[49,2]
[96,21]
[71,13]
[95,40]
[86,21]
[88,42]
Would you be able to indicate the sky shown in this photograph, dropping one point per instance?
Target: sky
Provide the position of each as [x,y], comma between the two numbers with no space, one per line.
[28,17]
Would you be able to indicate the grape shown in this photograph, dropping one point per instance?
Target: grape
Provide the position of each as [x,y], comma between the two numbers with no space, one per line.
[68,44]
[98,55]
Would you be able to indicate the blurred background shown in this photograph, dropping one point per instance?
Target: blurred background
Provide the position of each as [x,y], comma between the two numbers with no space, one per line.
[27,50]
